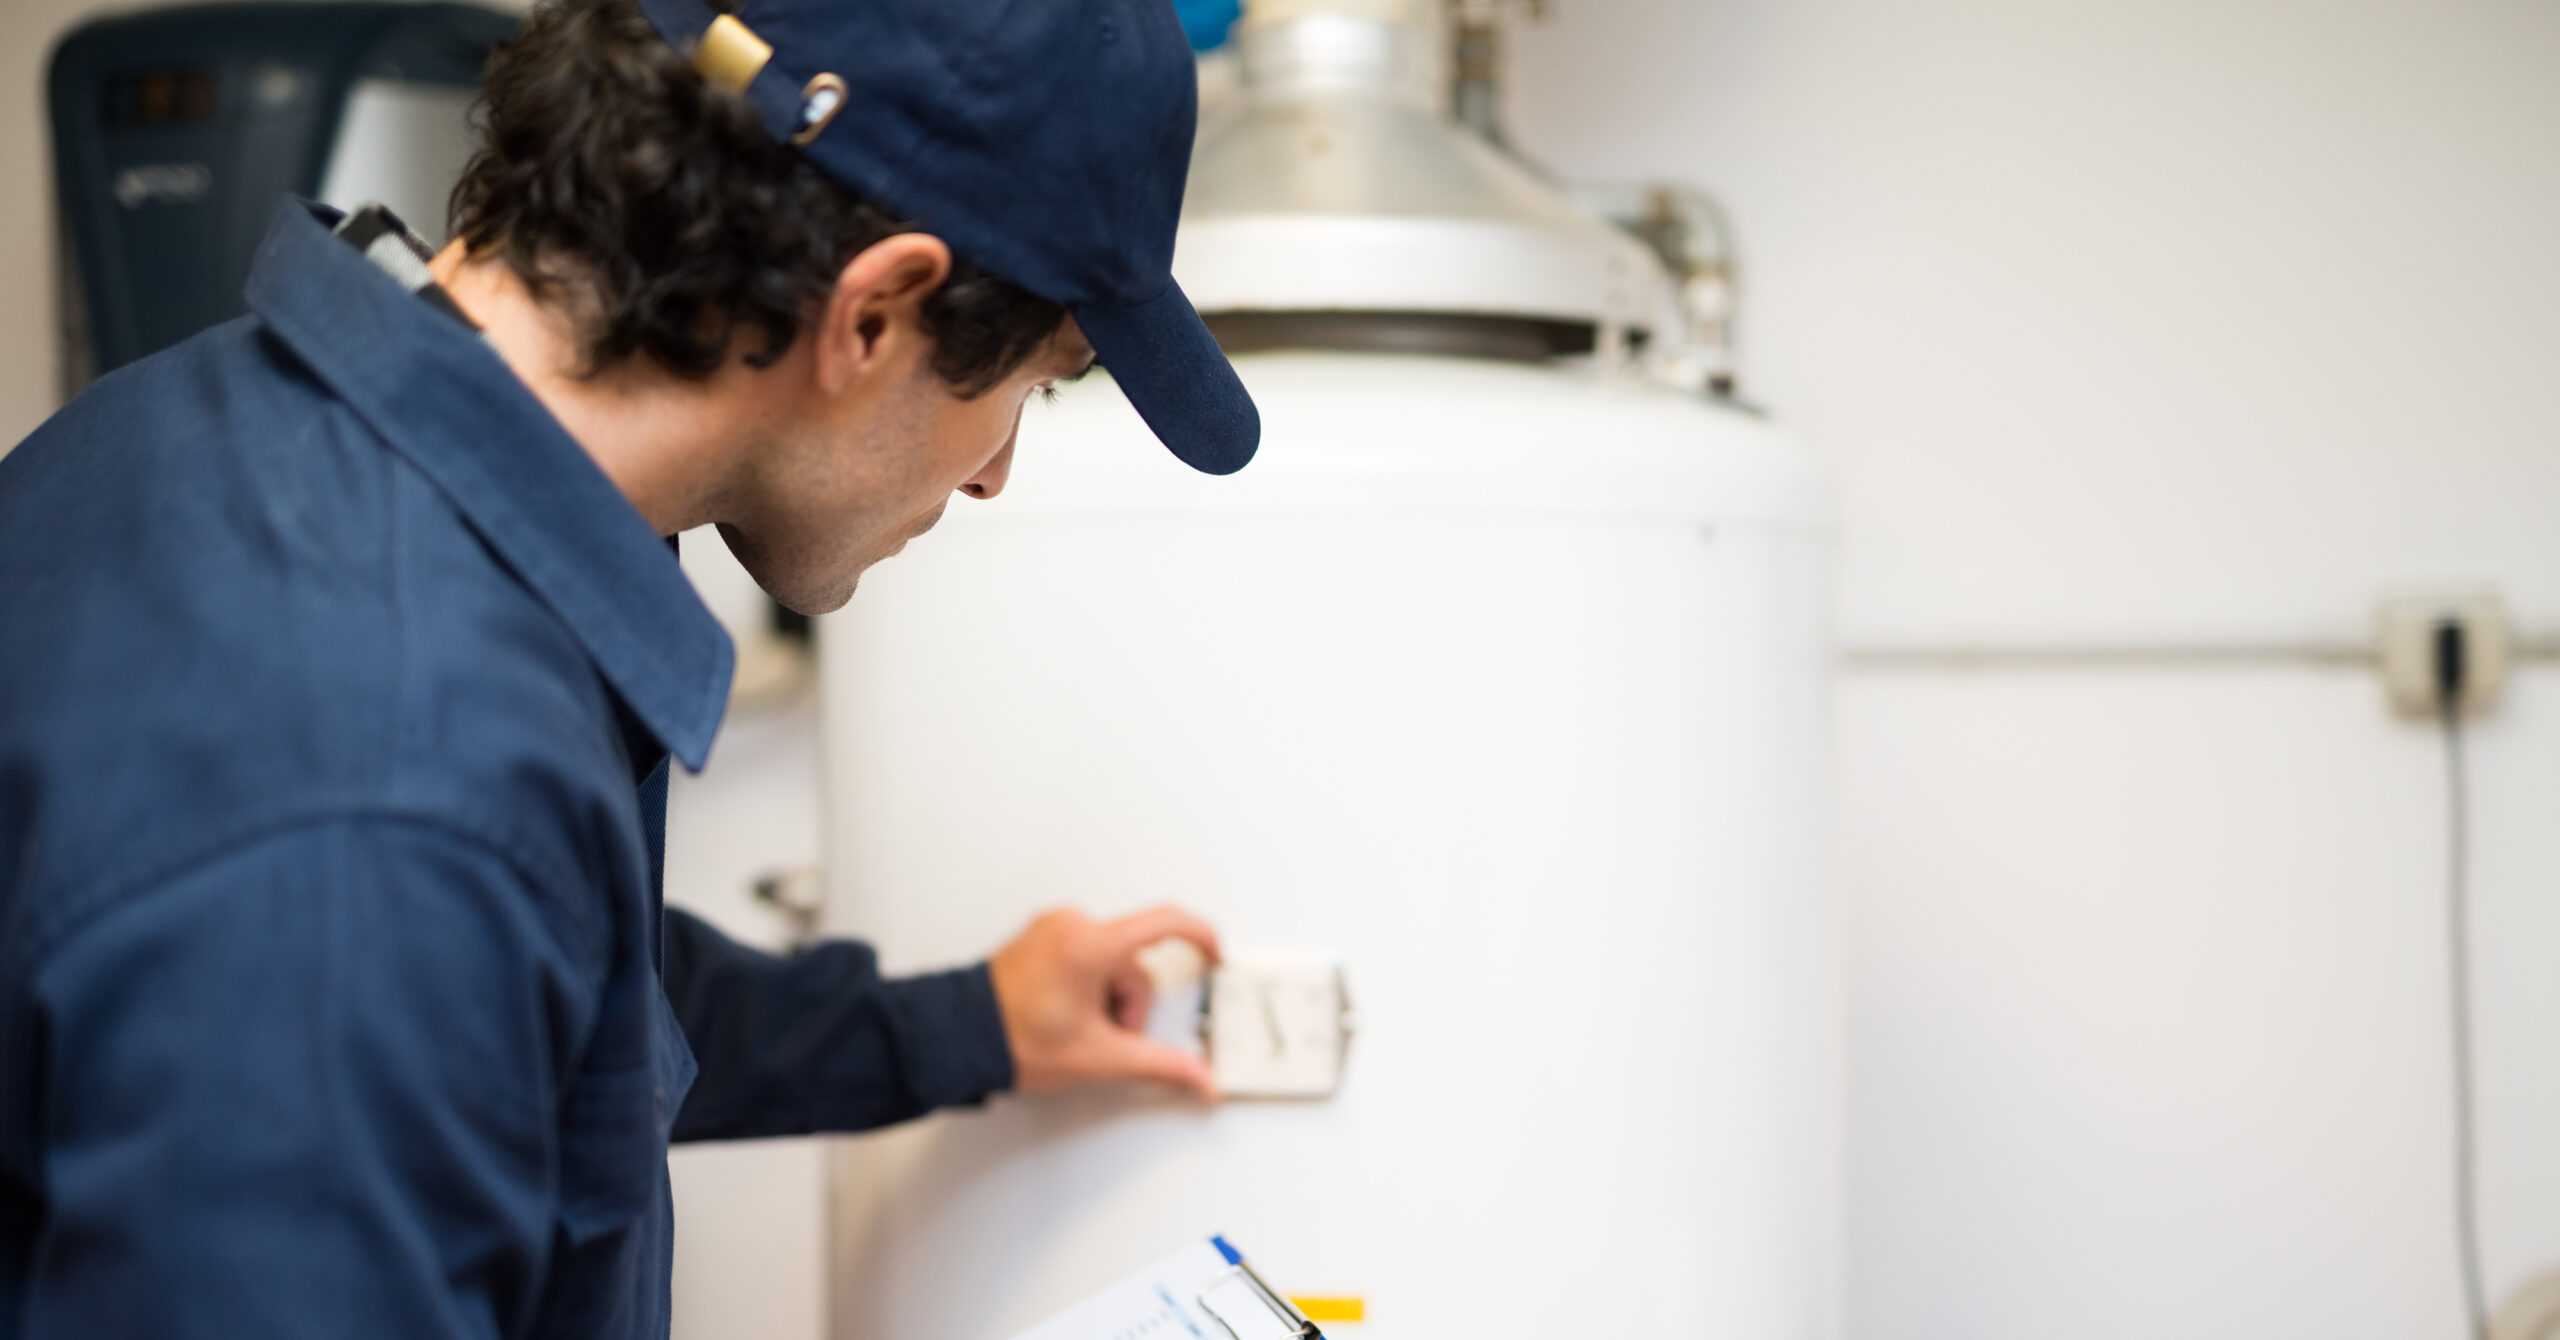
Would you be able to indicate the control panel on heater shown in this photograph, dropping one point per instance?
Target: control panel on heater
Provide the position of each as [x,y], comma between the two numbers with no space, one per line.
[1270,1025]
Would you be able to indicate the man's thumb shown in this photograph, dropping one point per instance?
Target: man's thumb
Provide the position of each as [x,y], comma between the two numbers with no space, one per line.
[1136,1056]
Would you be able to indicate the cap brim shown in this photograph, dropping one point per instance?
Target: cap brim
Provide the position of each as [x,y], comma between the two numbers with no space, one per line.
[1177,378]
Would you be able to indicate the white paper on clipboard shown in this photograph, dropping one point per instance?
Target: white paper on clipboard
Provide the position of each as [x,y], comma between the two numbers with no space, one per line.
[1203,1292]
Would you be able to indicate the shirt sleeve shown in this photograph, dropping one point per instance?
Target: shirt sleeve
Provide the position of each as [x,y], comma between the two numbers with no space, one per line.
[308,1090]
[819,1041]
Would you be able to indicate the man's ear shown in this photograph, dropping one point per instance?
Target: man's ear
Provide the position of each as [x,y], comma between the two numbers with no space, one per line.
[877,303]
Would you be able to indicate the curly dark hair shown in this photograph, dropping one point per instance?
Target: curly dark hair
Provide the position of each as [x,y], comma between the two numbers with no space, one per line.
[610,175]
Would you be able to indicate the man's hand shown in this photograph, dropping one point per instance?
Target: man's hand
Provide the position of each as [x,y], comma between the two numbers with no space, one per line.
[1075,1001]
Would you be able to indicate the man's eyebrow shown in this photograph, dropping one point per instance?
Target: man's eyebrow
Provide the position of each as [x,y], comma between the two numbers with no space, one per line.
[1092,360]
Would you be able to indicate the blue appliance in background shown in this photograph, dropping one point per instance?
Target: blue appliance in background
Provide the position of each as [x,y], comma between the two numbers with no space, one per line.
[1208,22]
[175,132]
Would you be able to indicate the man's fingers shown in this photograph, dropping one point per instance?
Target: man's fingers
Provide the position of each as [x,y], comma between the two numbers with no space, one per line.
[1132,1056]
[1076,1001]
[1133,994]
[1137,930]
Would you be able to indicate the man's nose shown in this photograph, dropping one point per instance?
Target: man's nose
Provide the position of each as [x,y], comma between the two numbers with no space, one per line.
[989,481]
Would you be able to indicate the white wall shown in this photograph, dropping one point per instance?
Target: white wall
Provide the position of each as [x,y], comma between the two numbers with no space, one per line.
[2150,319]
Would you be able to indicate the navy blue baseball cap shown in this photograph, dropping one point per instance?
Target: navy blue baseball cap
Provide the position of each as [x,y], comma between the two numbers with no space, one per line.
[1045,140]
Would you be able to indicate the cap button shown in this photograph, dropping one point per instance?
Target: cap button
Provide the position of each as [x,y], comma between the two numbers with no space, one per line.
[819,102]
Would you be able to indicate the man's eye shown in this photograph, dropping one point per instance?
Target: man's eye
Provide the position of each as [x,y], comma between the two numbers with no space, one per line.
[1048,395]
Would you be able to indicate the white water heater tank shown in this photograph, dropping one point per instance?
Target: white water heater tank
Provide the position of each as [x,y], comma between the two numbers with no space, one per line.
[1501,682]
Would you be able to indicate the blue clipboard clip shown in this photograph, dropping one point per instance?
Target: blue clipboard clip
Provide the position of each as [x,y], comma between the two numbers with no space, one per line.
[1248,1308]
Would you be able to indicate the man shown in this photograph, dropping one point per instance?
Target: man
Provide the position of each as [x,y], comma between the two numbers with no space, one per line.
[342,652]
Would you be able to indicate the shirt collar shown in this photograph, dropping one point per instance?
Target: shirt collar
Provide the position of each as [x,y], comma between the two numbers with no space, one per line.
[447,404]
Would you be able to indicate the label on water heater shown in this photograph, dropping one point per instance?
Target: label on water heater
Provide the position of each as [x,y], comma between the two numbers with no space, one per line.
[1272,1025]
[1278,1026]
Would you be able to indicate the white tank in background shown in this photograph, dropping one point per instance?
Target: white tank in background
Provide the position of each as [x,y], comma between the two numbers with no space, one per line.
[1498,678]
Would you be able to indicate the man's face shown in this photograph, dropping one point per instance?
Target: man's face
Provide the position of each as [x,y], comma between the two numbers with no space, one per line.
[847,478]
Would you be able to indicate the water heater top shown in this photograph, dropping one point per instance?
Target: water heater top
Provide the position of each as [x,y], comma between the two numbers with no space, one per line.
[1352,434]
[1330,190]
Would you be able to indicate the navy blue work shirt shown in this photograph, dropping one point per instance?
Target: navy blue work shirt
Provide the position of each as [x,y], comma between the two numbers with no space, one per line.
[336,995]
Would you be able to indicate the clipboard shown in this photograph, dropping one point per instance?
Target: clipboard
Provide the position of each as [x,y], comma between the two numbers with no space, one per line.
[1206,1291]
